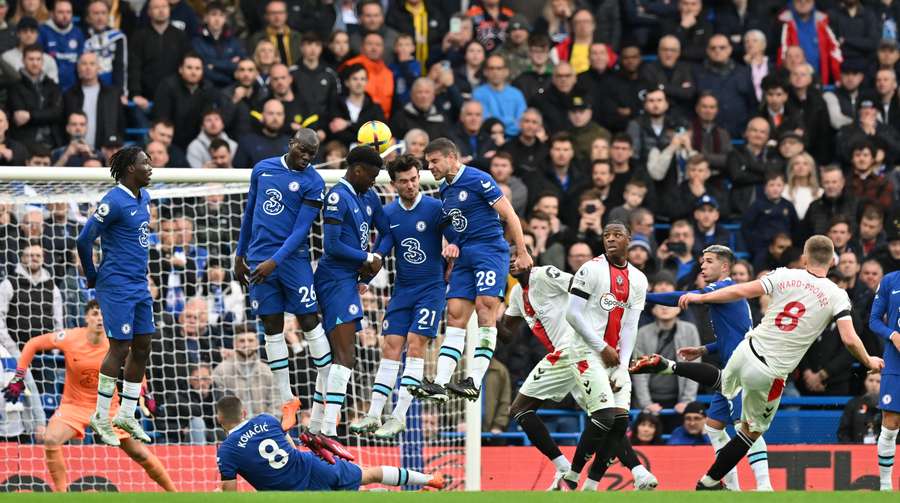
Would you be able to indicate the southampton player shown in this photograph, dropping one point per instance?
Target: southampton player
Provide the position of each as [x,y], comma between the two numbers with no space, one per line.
[605,304]
[122,221]
[541,298]
[731,321]
[417,304]
[351,209]
[84,349]
[258,450]
[886,308]
[284,200]
[472,203]
[803,304]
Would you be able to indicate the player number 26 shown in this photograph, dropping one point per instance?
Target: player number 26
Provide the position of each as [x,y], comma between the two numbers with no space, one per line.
[485,278]
[276,456]
[788,319]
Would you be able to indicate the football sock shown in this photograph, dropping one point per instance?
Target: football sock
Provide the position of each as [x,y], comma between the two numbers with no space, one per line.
[887,448]
[106,386]
[599,425]
[383,385]
[610,447]
[412,377]
[451,351]
[320,352]
[758,456]
[338,377]
[277,356]
[131,392]
[56,465]
[728,458]
[487,341]
[157,471]
[561,463]
[703,373]
[537,432]
[718,439]
[590,484]
[393,476]
[627,455]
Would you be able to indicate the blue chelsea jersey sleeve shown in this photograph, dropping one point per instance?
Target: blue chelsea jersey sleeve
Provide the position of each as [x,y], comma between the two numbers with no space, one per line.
[487,187]
[224,460]
[880,306]
[309,211]
[336,210]
[247,221]
[106,214]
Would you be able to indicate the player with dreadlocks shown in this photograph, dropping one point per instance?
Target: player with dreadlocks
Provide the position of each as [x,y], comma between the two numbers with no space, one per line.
[122,221]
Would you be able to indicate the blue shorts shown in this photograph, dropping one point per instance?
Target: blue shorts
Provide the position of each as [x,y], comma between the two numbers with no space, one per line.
[126,313]
[341,476]
[418,312]
[340,302]
[724,410]
[288,289]
[890,393]
[480,270]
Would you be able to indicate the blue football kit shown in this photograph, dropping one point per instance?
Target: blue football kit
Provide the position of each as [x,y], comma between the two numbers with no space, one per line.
[258,451]
[884,320]
[282,205]
[417,303]
[483,263]
[123,224]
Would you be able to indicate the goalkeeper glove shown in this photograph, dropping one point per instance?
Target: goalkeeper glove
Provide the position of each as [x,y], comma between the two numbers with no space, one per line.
[16,387]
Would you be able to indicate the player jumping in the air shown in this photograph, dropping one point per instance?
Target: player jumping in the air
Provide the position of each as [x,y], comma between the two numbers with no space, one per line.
[351,208]
[886,307]
[731,321]
[259,451]
[472,203]
[417,304]
[541,298]
[605,304]
[284,200]
[84,349]
[803,303]
[122,221]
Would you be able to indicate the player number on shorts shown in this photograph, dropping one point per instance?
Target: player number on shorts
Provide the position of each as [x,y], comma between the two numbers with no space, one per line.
[788,319]
[307,295]
[486,278]
[426,317]
[276,456]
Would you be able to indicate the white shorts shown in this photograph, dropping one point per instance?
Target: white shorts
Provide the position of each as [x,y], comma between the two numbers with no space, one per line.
[558,374]
[761,388]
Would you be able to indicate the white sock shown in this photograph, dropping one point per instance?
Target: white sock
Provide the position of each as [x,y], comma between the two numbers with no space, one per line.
[338,377]
[640,471]
[718,439]
[451,351]
[383,386]
[708,481]
[393,476]
[590,484]
[887,448]
[412,376]
[758,456]
[561,463]
[277,356]
[320,352]
[487,341]
[106,386]
[131,392]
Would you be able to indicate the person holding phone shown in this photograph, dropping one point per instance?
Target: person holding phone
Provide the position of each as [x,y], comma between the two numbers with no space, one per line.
[675,253]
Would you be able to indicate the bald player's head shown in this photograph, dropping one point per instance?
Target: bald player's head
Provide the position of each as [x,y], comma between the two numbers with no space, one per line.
[302,148]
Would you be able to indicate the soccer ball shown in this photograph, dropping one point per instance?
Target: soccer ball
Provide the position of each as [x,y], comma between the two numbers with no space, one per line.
[375,134]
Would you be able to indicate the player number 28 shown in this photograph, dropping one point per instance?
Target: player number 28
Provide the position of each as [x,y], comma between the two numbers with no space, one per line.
[276,456]
[788,319]
[486,278]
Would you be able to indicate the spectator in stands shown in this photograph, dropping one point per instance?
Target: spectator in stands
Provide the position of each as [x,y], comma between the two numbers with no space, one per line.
[577,255]
[247,95]
[356,107]
[78,150]
[602,179]
[871,231]
[497,398]
[469,74]
[245,375]
[867,185]
[555,20]
[861,419]
[415,139]
[12,153]
[502,171]
[683,200]
[213,128]
[777,254]
[108,44]
[203,395]
[676,252]
[690,28]
[867,126]
[101,103]
[452,46]
[225,297]
[547,202]
[30,302]
[673,73]
[320,82]
[707,227]
[691,431]
[27,35]
[804,26]
[841,235]
[826,368]
[217,46]
[849,267]
[264,57]
[598,82]
[888,100]
[563,174]
[203,342]
[380,79]
[748,164]
[154,53]
[7,30]
[856,28]
[664,337]
[843,101]
[628,86]
[515,50]
[371,19]
[468,135]
[872,271]
[774,108]
[802,186]
[427,22]
[184,17]
[159,157]
[634,198]
[640,255]
[729,82]
[269,142]
[36,9]
[528,148]
[405,68]
[174,263]
[655,128]
[163,131]
[448,98]
[555,101]
[183,98]
[338,50]
[35,102]
[756,59]
[498,98]
[647,429]
[277,31]
[22,421]
[296,117]
[539,225]
[63,41]
[837,199]
[584,130]
[490,19]
[420,112]
[707,137]
[790,145]
[575,48]
[769,215]
[110,145]
[807,99]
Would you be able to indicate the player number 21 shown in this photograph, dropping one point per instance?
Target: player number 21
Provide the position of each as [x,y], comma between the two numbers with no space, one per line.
[788,319]
[276,456]
[426,317]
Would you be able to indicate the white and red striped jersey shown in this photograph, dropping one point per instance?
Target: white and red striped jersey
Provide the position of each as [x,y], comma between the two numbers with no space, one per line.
[542,303]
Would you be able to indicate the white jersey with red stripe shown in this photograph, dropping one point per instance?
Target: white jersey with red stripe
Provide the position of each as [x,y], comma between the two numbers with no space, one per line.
[542,303]
[802,307]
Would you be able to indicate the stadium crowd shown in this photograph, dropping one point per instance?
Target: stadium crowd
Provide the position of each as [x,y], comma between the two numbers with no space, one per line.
[748,124]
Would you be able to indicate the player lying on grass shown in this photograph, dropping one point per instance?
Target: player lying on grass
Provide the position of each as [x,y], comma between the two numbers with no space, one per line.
[258,450]
[731,321]
[84,349]
[803,303]
[541,298]
[886,308]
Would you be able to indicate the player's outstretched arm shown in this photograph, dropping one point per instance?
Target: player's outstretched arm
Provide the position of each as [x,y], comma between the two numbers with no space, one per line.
[16,385]
[514,226]
[748,290]
[853,343]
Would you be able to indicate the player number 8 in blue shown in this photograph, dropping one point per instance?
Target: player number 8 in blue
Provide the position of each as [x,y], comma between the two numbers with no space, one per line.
[486,278]
[276,456]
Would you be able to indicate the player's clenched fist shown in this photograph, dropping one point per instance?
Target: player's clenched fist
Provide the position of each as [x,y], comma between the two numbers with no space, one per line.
[241,271]
[688,299]
[523,261]
[875,364]
[610,357]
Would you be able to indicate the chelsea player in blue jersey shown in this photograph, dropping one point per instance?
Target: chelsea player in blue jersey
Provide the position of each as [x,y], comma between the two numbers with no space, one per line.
[258,450]
[731,321]
[417,302]
[884,320]
[351,209]
[284,200]
[474,207]
[122,221]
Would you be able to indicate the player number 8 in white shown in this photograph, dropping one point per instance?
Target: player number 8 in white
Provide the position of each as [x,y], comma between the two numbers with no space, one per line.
[486,278]
[276,456]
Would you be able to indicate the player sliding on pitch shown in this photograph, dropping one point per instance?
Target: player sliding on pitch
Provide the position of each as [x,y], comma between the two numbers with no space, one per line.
[804,303]
[258,450]
[886,307]
[284,200]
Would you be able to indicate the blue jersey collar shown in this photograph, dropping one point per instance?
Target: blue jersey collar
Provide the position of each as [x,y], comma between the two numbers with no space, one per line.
[127,191]
[239,426]
[415,203]
[348,185]
[458,174]
[284,162]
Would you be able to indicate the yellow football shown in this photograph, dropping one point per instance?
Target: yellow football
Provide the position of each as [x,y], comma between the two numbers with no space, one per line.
[375,134]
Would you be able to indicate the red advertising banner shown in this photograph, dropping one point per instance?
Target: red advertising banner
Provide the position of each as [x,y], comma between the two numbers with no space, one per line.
[193,468]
